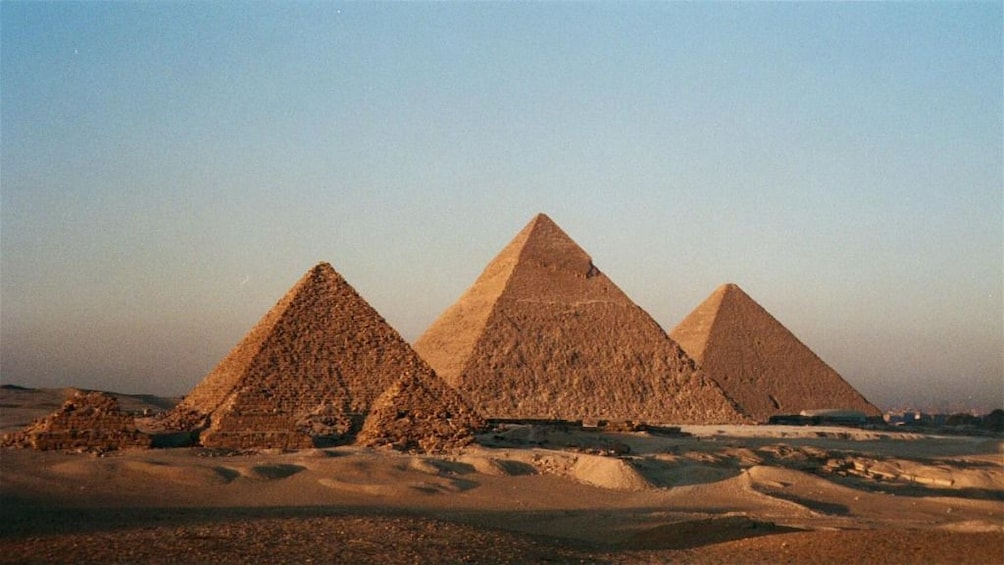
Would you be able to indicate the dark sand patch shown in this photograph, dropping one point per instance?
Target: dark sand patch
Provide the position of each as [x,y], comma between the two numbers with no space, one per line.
[697,533]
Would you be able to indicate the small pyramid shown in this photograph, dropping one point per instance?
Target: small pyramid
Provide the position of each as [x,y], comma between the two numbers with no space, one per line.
[420,413]
[761,365]
[306,374]
[87,421]
[543,333]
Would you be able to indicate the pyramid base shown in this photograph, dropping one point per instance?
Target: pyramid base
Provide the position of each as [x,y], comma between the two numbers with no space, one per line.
[256,440]
[98,441]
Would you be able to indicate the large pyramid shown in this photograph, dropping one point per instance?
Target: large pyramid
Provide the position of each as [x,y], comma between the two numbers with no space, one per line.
[307,373]
[761,365]
[543,333]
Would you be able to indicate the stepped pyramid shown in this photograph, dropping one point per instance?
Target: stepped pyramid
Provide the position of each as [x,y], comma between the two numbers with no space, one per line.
[308,372]
[420,413]
[761,365]
[543,333]
[87,421]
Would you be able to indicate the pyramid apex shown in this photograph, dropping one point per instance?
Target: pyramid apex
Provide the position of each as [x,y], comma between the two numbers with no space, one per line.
[323,266]
[541,217]
[321,273]
[540,222]
[543,242]
[729,289]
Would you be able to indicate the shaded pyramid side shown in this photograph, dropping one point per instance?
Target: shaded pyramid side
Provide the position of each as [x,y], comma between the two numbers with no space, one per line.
[758,362]
[87,421]
[558,339]
[420,413]
[307,373]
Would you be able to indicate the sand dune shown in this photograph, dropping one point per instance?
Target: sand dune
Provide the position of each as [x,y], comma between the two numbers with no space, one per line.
[521,494]
[692,499]
[608,472]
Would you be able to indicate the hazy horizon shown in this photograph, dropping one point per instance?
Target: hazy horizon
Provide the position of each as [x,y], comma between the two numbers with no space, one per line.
[169,170]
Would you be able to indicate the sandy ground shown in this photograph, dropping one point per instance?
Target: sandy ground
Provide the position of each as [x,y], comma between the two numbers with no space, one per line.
[723,494]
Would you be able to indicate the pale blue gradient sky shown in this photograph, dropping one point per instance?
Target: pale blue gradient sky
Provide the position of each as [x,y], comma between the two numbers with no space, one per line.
[169,170]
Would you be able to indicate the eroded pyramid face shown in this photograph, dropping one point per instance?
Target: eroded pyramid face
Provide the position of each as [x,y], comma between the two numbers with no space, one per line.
[761,365]
[543,333]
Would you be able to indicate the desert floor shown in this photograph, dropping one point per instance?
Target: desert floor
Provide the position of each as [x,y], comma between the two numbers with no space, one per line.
[770,494]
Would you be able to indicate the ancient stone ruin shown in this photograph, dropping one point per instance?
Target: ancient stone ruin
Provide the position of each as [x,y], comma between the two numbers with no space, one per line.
[87,421]
[420,413]
[761,365]
[305,375]
[543,333]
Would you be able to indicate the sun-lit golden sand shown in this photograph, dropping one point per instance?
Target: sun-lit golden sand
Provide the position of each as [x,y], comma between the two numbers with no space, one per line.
[723,494]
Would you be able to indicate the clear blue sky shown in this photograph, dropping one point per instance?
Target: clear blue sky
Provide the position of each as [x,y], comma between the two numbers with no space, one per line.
[169,170]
